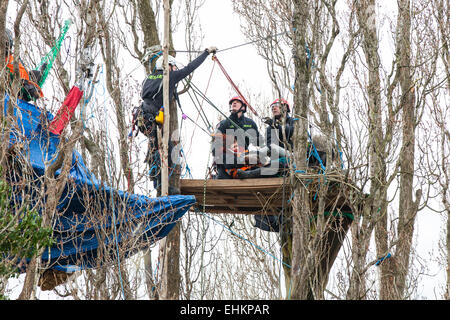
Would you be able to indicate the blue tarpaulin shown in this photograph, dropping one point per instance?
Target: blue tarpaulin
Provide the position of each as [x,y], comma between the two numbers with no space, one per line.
[92,220]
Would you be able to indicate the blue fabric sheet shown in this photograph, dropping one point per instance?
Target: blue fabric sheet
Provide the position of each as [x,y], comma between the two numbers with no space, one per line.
[83,228]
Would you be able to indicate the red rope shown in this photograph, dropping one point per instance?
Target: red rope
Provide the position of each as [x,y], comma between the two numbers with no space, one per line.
[234,86]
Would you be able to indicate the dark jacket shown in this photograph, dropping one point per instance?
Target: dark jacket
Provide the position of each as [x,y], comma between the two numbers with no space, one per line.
[152,87]
[239,128]
[279,139]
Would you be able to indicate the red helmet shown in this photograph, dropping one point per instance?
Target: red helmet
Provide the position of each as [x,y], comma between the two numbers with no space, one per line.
[237,98]
[281,102]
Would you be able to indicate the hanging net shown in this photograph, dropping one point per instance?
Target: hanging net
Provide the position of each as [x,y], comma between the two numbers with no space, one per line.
[51,56]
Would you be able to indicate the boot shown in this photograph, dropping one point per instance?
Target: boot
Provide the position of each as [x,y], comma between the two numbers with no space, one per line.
[173,190]
[249,174]
[267,223]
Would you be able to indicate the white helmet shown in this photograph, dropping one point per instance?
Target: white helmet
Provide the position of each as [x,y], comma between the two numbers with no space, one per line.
[159,62]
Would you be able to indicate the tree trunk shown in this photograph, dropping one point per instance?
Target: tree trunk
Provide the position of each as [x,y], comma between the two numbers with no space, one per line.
[171,278]
[3,78]
[302,269]
[407,207]
[374,213]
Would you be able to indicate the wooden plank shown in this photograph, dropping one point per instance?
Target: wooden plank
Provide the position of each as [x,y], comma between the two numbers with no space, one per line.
[241,196]
[256,195]
[226,210]
[236,184]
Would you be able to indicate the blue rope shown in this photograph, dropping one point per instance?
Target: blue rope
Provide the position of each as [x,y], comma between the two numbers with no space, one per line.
[382,259]
[315,153]
[292,196]
[188,170]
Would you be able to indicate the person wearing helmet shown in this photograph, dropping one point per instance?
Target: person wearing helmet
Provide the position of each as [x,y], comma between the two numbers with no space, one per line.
[30,89]
[274,133]
[278,140]
[150,113]
[282,143]
[232,139]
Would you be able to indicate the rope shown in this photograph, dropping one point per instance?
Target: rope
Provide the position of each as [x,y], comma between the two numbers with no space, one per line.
[200,111]
[236,46]
[228,228]
[188,170]
[185,116]
[234,85]
[201,105]
[254,41]
[380,260]
[195,89]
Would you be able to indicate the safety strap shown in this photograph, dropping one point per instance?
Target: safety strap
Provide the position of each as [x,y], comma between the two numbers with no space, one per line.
[234,86]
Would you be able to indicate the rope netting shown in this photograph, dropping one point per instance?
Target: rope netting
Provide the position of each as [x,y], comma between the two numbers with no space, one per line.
[51,56]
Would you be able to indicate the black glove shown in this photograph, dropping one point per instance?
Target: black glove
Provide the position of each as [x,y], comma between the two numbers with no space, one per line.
[43,67]
[268,121]
[277,123]
[36,75]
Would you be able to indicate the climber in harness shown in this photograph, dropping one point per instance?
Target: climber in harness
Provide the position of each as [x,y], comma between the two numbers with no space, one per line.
[30,90]
[232,139]
[150,114]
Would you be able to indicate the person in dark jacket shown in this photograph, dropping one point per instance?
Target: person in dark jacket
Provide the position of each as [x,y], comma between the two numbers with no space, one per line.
[232,139]
[150,113]
[279,108]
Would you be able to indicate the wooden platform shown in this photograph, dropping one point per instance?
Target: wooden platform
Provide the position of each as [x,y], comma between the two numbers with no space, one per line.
[249,196]
[244,196]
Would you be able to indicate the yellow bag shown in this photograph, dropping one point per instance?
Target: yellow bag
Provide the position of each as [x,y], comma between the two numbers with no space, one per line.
[160,117]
